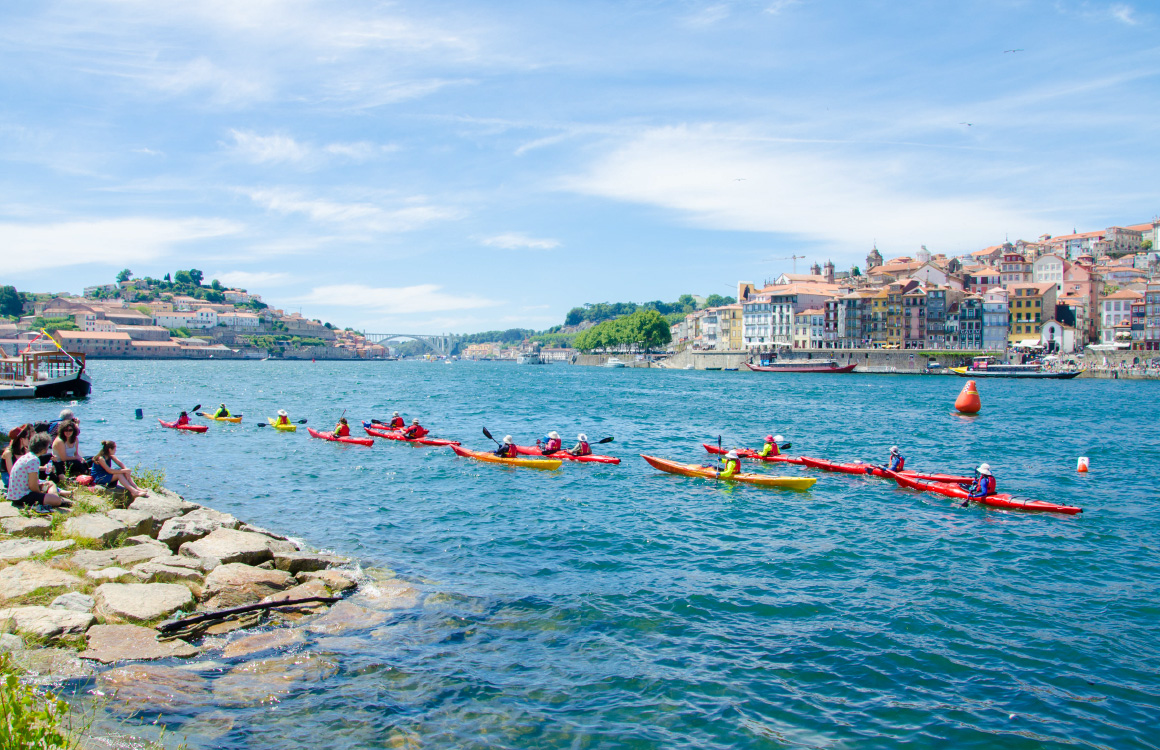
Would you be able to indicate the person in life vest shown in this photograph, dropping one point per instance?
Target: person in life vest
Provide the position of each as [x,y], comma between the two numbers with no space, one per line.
[507,449]
[222,411]
[581,448]
[342,429]
[896,462]
[397,422]
[732,464]
[414,431]
[183,419]
[551,443]
[983,485]
[283,417]
[771,446]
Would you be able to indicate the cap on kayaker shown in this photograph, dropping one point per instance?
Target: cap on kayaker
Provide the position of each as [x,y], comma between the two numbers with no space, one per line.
[894,450]
[731,454]
[508,439]
[395,414]
[582,438]
[414,421]
[770,438]
[282,413]
[554,435]
[984,469]
[778,438]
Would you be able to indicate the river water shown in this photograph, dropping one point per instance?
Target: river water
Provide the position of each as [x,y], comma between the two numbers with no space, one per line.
[615,606]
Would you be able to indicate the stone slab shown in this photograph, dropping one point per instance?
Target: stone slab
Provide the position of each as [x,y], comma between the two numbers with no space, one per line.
[156,571]
[43,622]
[252,644]
[26,576]
[7,510]
[113,643]
[335,580]
[138,521]
[346,617]
[95,526]
[19,549]
[299,562]
[74,601]
[140,602]
[27,527]
[107,574]
[223,546]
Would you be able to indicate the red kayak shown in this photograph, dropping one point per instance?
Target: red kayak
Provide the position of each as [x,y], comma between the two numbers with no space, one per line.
[186,427]
[330,436]
[591,458]
[820,463]
[398,435]
[994,501]
[753,455]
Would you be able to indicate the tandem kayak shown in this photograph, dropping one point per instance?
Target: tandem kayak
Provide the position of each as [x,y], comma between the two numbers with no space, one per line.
[591,458]
[283,427]
[398,435]
[705,472]
[994,501]
[330,436]
[753,455]
[857,468]
[207,415]
[186,427]
[491,458]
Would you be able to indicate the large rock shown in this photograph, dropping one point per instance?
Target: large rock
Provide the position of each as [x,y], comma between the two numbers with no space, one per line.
[391,593]
[252,644]
[161,508]
[95,526]
[263,532]
[43,622]
[157,571]
[335,580]
[7,510]
[110,643]
[224,546]
[235,584]
[49,667]
[266,681]
[140,602]
[298,562]
[223,520]
[138,521]
[19,549]
[10,642]
[27,576]
[149,687]
[193,526]
[89,559]
[345,617]
[302,591]
[29,527]
[107,574]
[74,601]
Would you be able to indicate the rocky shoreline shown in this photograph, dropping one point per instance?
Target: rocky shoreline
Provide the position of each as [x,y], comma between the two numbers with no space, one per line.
[82,596]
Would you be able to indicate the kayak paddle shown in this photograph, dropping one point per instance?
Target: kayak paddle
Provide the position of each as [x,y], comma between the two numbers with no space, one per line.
[786,447]
[489,437]
[196,408]
[605,440]
[266,424]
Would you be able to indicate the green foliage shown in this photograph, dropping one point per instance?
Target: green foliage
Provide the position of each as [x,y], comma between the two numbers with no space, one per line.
[124,275]
[601,311]
[180,333]
[278,341]
[196,276]
[645,329]
[11,302]
[183,277]
[856,271]
[29,720]
[149,479]
[555,340]
[52,325]
[1146,246]
[716,300]
[510,336]
[216,286]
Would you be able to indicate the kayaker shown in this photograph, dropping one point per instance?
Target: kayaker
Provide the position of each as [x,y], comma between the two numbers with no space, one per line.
[771,446]
[896,462]
[183,418]
[507,449]
[222,411]
[283,418]
[732,463]
[342,429]
[581,448]
[983,485]
[550,443]
[397,422]
[414,431]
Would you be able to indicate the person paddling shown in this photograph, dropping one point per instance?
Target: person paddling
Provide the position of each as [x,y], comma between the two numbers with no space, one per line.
[414,431]
[771,446]
[342,429]
[896,462]
[397,422]
[283,418]
[182,418]
[222,411]
[551,443]
[983,485]
[507,449]
[732,463]
[582,448]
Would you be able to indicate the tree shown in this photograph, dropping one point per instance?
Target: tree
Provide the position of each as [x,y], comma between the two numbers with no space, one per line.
[1146,246]
[182,277]
[855,271]
[686,301]
[124,275]
[168,280]
[195,276]
[216,285]
[716,300]
[11,301]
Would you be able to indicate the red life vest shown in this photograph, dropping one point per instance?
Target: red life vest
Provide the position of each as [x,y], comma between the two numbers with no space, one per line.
[397,423]
[341,430]
[552,446]
[585,450]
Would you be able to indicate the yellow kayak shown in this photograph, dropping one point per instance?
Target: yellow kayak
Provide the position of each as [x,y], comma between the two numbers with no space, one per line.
[283,427]
[491,458]
[207,415]
[761,480]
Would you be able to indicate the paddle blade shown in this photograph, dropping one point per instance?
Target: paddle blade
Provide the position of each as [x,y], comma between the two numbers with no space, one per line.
[488,436]
[196,407]
[787,446]
[259,424]
[605,440]
[301,421]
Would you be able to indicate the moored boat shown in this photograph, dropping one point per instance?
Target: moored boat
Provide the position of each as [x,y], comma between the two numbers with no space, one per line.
[989,367]
[614,362]
[54,374]
[800,365]
[705,472]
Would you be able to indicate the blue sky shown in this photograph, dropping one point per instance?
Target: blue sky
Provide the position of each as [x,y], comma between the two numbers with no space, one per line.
[454,166]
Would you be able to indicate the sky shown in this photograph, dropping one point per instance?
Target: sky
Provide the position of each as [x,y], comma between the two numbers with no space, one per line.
[451,166]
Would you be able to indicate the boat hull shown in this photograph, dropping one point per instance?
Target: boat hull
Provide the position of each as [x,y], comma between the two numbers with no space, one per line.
[759,480]
[77,385]
[1006,502]
[281,427]
[348,440]
[544,464]
[804,367]
[966,372]
[183,427]
[753,455]
[398,436]
[591,458]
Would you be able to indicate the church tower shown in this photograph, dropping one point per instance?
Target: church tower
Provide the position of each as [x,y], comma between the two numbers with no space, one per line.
[874,258]
[828,271]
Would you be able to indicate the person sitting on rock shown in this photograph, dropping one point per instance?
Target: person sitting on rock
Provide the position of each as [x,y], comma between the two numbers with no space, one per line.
[24,486]
[108,471]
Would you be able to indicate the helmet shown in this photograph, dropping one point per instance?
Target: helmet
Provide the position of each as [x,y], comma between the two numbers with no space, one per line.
[731,454]
[414,421]
[508,439]
[778,438]
[984,469]
[893,449]
[395,414]
[770,438]
[554,435]
[582,438]
[282,413]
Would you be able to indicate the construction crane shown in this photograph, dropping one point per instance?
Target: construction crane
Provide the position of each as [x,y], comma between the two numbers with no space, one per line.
[794,258]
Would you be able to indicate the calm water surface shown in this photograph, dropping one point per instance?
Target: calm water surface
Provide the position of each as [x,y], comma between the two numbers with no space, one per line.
[620,607]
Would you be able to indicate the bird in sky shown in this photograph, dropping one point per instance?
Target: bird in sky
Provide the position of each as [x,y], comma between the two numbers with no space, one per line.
[1011,50]
[965,123]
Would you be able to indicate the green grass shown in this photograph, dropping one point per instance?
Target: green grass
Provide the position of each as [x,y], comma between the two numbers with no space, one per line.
[149,479]
[28,719]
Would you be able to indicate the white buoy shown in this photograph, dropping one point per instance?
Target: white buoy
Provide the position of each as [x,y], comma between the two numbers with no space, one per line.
[1082,466]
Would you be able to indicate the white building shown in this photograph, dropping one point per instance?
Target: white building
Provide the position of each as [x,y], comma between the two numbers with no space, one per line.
[756,314]
[88,321]
[1049,269]
[1058,338]
[240,321]
[995,320]
[177,319]
[1116,309]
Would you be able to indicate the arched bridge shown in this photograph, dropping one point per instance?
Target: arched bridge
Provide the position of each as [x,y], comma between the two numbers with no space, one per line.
[440,344]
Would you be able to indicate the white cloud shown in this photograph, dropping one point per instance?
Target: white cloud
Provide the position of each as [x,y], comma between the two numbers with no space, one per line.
[407,300]
[32,247]
[516,240]
[777,6]
[252,280]
[733,180]
[707,16]
[281,149]
[1124,13]
[363,216]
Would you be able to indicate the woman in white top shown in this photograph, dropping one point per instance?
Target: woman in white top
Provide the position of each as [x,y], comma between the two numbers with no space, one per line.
[24,485]
[66,452]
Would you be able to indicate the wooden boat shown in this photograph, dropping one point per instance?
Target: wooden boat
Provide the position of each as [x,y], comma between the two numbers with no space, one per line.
[56,374]
[800,365]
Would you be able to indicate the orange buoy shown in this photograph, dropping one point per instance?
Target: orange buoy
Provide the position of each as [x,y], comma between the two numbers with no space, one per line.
[968,401]
[1082,465]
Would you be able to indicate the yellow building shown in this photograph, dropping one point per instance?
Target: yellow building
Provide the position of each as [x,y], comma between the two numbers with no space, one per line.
[878,306]
[1029,306]
[729,327]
